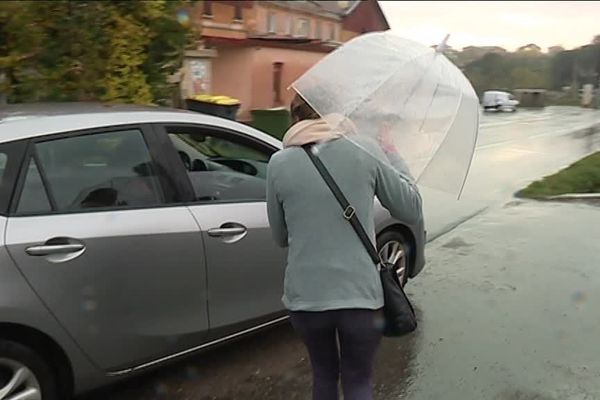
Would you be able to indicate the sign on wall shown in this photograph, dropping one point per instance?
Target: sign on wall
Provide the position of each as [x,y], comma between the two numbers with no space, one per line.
[199,73]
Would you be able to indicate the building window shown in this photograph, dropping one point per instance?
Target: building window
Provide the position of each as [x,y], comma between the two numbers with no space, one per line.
[272,22]
[207,10]
[331,32]
[238,14]
[318,30]
[277,70]
[302,27]
[288,24]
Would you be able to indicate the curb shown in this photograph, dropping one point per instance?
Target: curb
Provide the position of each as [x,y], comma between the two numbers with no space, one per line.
[575,196]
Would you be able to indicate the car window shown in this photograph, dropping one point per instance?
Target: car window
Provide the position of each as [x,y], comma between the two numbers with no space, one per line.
[222,169]
[103,170]
[11,156]
[3,169]
[3,162]
[34,198]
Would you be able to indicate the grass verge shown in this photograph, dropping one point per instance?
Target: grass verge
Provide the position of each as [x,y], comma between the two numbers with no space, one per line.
[580,177]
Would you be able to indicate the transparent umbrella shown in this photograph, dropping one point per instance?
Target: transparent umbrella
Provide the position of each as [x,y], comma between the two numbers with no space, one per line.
[406,97]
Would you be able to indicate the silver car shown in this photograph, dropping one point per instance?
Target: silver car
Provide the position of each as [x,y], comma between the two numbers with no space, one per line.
[133,236]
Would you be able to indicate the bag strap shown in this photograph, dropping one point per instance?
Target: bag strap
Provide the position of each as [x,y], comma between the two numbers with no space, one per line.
[349,210]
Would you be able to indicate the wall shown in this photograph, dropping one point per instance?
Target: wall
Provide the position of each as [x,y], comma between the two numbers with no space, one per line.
[295,63]
[348,35]
[247,74]
[231,75]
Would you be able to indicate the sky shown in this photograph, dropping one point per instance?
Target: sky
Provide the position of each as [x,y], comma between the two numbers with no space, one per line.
[496,23]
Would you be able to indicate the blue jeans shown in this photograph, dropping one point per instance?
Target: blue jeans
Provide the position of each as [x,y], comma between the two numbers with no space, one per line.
[358,335]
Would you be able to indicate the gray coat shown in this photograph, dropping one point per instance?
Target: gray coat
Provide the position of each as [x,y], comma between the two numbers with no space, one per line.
[328,267]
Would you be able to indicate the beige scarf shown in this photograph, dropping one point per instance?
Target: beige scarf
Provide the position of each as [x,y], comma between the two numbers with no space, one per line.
[309,131]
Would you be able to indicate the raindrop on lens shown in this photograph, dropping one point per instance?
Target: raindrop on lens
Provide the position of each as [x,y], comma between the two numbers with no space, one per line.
[191,373]
[89,305]
[183,17]
[88,291]
[579,297]
[161,389]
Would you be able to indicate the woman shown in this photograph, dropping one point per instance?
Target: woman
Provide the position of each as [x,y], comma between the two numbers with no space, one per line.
[332,289]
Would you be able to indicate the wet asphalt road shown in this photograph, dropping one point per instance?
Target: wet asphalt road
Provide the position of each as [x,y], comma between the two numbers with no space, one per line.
[507,302]
[513,150]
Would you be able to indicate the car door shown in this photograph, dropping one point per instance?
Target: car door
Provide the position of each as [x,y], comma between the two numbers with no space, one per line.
[245,268]
[123,273]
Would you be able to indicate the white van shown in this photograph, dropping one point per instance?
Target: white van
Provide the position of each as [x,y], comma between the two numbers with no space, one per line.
[494,100]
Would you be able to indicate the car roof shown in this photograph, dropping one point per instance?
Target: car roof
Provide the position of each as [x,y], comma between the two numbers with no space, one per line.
[24,121]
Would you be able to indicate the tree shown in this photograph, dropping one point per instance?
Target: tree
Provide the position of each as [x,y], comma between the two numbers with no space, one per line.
[165,50]
[124,80]
[71,70]
[509,71]
[561,69]
[158,41]
[489,72]
[530,48]
[21,39]
[555,49]
[124,50]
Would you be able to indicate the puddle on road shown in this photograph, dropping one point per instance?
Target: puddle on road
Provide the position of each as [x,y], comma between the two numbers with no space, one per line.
[456,243]
[590,136]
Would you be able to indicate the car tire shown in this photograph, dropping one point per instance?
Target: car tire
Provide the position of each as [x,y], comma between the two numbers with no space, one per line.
[392,244]
[19,363]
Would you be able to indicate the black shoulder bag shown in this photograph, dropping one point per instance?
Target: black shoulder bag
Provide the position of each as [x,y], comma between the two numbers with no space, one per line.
[399,314]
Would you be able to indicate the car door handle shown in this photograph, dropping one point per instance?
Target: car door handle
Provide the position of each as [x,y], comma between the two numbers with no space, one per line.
[220,232]
[51,249]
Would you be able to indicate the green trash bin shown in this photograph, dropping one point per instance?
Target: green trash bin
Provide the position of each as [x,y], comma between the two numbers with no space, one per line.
[274,121]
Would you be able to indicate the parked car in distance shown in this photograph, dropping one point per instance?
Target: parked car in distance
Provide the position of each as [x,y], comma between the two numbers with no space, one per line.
[132,236]
[494,100]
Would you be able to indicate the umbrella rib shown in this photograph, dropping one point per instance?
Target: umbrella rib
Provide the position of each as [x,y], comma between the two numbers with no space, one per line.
[429,107]
[414,88]
[470,161]
[441,144]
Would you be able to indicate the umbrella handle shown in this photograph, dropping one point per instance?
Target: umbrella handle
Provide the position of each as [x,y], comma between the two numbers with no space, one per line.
[442,46]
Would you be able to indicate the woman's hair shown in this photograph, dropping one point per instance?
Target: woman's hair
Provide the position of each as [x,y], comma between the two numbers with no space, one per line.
[301,110]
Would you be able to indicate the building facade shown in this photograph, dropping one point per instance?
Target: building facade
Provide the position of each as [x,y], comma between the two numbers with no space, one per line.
[253,50]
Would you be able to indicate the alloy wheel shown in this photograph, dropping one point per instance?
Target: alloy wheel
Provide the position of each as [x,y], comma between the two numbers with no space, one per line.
[18,382]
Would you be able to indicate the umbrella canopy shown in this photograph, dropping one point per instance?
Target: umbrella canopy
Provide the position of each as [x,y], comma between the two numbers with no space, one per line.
[408,98]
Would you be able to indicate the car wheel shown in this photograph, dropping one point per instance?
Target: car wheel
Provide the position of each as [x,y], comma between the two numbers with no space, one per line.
[394,249]
[24,375]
